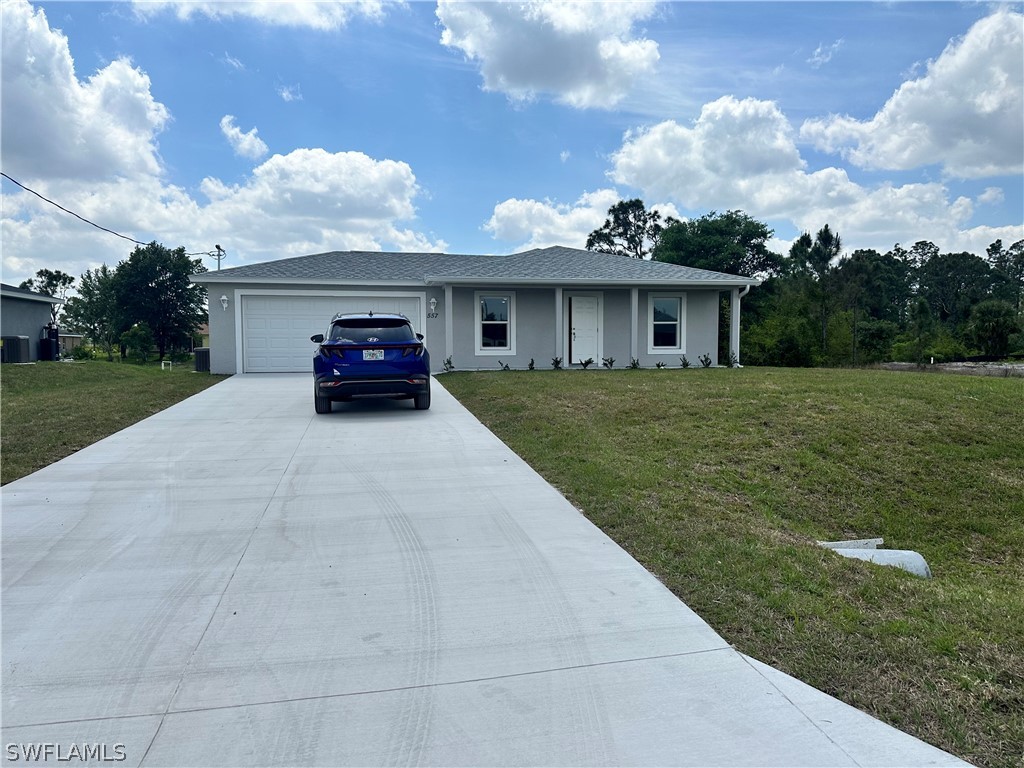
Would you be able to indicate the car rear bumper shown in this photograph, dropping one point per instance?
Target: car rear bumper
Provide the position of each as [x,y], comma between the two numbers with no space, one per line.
[388,385]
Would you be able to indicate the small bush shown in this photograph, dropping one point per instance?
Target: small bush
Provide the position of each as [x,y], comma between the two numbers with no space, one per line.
[81,352]
[556,363]
[684,362]
[531,366]
[660,364]
[503,366]
[448,365]
[587,363]
[608,362]
[734,362]
[705,360]
[634,363]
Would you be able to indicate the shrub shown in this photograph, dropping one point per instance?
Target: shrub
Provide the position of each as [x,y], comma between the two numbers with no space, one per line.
[81,352]
[684,362]
[448,366]
[705,360]
[139,341]
[634,363]
[503,366]
[556,363]
[531,366]
[659,364]
[587,363]
[608,362]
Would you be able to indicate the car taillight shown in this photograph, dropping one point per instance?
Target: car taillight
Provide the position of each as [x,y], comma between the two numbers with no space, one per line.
[325,351]
[417,351]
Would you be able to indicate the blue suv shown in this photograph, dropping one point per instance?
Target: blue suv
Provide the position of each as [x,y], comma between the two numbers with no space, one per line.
[370,355]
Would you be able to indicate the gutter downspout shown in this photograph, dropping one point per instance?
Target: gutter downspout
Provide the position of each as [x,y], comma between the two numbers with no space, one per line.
[734,322]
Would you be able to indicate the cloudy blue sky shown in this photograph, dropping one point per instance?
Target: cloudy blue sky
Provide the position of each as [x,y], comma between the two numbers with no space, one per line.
[278,129]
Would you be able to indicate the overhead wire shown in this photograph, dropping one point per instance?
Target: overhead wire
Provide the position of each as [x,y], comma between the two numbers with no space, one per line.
[82,218]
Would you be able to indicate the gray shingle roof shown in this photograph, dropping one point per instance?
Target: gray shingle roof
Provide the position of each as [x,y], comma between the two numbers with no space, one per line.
[542,265]
[25,293]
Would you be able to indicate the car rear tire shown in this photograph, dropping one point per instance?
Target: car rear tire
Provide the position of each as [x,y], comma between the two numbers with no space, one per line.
[422,402]
[321,404]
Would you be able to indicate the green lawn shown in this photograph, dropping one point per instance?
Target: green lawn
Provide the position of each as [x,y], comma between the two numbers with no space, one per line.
[719,481]
[51,410]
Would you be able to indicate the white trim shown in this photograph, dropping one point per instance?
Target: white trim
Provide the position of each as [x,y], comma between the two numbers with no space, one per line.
[449,330]
[559,334]
[568,319]
[585,282]
[681,348]
[477,320]
[634,324]
[239,293]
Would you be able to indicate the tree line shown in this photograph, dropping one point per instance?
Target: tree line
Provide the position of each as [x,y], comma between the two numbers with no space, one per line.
[822,305]
[147,301]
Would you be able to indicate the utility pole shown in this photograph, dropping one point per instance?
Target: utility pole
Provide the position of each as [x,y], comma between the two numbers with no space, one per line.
[219,255]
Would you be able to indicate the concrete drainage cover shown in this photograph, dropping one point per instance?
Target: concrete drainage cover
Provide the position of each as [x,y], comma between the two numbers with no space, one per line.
[867,549]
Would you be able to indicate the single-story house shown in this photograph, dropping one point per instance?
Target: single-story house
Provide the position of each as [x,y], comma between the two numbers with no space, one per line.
[475,310]
[23,313]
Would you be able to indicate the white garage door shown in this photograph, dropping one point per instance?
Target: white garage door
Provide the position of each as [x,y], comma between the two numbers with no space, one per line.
[276,329]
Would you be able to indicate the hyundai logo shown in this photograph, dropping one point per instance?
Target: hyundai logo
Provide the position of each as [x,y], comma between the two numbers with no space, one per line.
[373,338]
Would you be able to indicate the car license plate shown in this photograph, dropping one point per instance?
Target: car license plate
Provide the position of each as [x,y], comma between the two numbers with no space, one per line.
[373,354]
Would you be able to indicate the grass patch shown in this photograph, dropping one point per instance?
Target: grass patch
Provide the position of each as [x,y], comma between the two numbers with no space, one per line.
[720,481]
[50,410]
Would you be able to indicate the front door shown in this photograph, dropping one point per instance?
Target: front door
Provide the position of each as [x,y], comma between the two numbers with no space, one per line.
[583,329]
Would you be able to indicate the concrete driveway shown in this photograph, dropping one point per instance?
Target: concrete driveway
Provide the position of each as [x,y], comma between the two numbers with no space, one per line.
[237,581]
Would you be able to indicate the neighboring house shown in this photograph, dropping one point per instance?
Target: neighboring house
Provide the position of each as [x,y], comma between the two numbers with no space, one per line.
[476,310]
[24,313]
[203,332]
[70,341]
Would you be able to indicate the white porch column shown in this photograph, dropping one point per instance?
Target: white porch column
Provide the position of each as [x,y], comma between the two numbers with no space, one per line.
[559,336]
[449,331]
[734,325]
[634,306]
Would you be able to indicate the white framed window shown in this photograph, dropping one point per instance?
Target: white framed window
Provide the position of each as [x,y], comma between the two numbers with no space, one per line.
[495,313]
[666,323]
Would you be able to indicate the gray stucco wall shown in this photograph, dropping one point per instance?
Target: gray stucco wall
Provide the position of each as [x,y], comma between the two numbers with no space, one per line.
[701,331]
[21,317]
[539,335]
[224,323]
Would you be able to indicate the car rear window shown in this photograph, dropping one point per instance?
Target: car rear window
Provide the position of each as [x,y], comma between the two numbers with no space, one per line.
[370,329]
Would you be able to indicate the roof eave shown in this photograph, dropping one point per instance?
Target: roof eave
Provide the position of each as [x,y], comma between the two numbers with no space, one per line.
[205,278]
[29,297]
[731,283]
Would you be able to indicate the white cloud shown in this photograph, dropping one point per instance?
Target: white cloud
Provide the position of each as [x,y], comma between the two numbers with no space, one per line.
[564,155]
[966,113]
[314,14]
[90,146]
[742,154]
[290,92]
[584,54]
[233,62]
[823,54]
[541,223]
[991,196]
[306,201]
[58,126]
[247,145]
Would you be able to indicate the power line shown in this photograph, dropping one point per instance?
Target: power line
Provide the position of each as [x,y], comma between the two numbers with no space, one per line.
[220,251]
[58,205]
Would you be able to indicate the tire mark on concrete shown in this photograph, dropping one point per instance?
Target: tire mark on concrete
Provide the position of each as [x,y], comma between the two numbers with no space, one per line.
[410,737]
[589,714]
